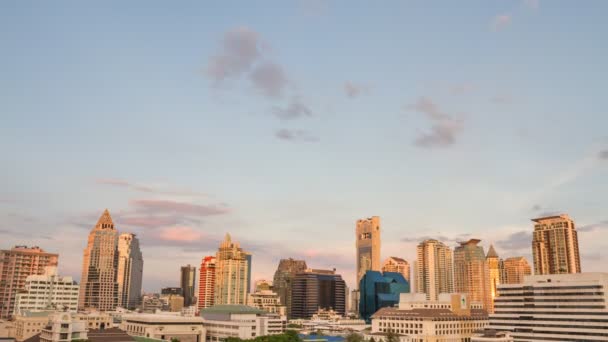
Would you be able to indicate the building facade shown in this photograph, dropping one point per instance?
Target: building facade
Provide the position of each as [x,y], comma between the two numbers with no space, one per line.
[433,269]
[555,245]
[558,307]
[513,270]
[240,321]
[368,245]
[231,273]
[317,289]
[380,290]
[130,271]
[16,265]
[494,266]
[63,327]
[472,273]
[98,284]
[267,300]
[188,284]
[47,292]
[399,265]
[164,327]
[206,284]
[283,280]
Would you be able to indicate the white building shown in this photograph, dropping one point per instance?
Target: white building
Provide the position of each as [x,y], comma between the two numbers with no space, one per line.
[493,336]
[556,307]
[47,291]
[63,327]
[223,321]
[449,318]
[268,301]
[164,327]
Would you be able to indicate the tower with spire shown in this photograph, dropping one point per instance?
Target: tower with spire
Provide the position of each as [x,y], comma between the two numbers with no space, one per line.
[233,273]
[494,266]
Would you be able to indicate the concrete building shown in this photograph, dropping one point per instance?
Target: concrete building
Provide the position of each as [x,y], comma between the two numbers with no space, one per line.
[240,321]
[96,319]
[30,323]
[188,284]
[63,327]
[398,265]
[231,276]
[266,300]
[283,279]
[98,284]
[329,322]
[130,271]
[172,302]
[380,290]
[472,273]
[164,327]
[494,268]
[152,303]
[317,289]
[555,245]
[206,285]
[433,269]
[368,246]
[450,318]
[554,307]
[513,270]
[47,291]
[16,265]
[492,336]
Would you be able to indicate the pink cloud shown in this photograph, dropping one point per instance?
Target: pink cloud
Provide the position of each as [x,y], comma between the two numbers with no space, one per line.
[180,234]
[166,206]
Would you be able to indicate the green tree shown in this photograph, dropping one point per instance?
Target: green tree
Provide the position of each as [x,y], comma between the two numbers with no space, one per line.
[354,337]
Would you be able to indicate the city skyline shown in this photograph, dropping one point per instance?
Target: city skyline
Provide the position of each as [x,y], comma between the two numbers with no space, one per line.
[188,123]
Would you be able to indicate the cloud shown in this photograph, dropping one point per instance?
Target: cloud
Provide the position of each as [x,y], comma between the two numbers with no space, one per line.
[294,110]
[240,49]
[603,155]
[295,135]
[516,241]
[501,21]
[121,183]
[149,221]
[536,207]
[593,227]
[21,233]
[269,78]
[442,134]
[180,234]
[172,207]
[461,89]
[532,4]
[427,106]
[439,237]
[353,90]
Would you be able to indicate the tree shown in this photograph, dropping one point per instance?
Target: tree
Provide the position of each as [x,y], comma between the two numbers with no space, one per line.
[391,336]
[173,339]
[372,340]
[354,337]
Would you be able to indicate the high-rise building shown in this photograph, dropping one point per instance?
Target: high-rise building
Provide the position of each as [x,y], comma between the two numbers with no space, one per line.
[98,284]
[380,290]
[248,257]
[368,246]
[206,284]
[16,265]
[513,270]
[433,269]
[283,280]
[472,273]
[317,289]
[231,273]
[394,264]
[188,284]
[130,271]
[494,268]
[47,292]
[555,245]
[554,307]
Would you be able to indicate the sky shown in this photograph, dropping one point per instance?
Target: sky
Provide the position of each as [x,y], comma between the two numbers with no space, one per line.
[283,122]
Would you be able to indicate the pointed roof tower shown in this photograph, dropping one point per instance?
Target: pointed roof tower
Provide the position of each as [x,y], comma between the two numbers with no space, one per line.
[492,252]
[105,221]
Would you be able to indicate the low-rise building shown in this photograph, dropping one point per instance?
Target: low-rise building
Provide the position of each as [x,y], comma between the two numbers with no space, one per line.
[47,291]
[30,323]
[96,319]
[245,322]
[7,329]
[490,335]
[164,327]
[63,327]
[267,300]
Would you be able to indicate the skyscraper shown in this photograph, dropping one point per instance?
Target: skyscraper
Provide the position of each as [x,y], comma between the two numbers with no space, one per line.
[188,284]
[513,270]
[98,284]
[368,246]
[394,264]
[283,280]
[472,273]
[494,268]
[130,271]
[206,284]
[317,289]
[433,269]
[555,245]
[231,275]
[16,265]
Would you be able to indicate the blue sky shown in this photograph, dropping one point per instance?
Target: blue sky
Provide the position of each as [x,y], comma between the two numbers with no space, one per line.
[285,122]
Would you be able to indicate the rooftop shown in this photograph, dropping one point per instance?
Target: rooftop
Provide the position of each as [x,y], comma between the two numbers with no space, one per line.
[109,335]
[154,318]
[430,313]
[552,217]
[232,309]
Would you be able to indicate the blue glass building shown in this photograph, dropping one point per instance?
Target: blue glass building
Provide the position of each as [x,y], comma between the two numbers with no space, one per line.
[379,290]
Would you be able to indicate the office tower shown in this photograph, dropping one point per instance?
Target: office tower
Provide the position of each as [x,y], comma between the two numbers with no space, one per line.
[394,264]
[283,279]
[472,273]
[47,291]
[98,284]
[16,265]
[130,271]
[514,269]
[554,307]
[231,273]
[433,269]
[368,245]
[380,290]
[317,289]
[555,245]
[248,257]
[188,284]
[206,285]
[494,268]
